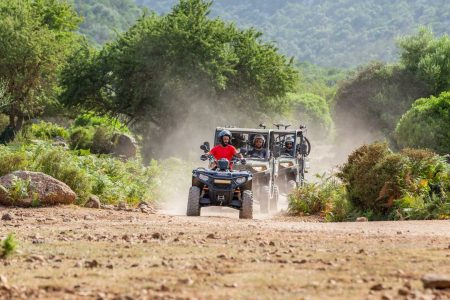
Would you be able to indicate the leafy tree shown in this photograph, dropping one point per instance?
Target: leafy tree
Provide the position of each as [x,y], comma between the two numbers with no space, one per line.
[35,38]
[313,111]
[429,57]
[426,124]
[374,100]
[156,72]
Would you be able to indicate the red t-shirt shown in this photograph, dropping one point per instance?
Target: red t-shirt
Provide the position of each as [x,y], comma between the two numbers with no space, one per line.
[220,151]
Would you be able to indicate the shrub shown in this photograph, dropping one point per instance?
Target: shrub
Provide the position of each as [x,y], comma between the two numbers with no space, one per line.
[12,159]
[328,197]
[90,119]
[82,137]
[105,176]
[426,124]
[46,131]
[376,179]
[8,246]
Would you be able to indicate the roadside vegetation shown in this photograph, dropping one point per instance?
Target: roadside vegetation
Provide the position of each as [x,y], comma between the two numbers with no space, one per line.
[380,184]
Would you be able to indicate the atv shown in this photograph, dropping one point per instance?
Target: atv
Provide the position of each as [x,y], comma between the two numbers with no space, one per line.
[291,165]
[219,185]
[261,167]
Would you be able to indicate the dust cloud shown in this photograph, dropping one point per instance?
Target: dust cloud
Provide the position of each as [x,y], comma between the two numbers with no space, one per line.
[196,121]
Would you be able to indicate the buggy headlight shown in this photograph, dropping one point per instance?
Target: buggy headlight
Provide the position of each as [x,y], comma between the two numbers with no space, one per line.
[241,180]
[203,177]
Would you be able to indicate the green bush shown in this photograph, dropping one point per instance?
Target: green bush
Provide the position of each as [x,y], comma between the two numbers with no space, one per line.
[327,197]
[82,137]
[8,246]
[376,179]
[12,159]
[426,124]
[100,121]
[109,178]
[47,131]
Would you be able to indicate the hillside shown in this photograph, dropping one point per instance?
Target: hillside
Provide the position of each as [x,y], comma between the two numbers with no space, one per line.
[103,18]
[342,33]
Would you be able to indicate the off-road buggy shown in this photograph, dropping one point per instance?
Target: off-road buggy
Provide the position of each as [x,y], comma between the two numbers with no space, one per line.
[290,166]
[220,186]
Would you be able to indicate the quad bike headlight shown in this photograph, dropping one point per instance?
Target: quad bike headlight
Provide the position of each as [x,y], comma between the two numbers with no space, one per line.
[203,177]
[241,180]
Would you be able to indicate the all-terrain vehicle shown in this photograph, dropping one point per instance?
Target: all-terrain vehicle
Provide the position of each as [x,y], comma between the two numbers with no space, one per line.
[220,186]
[260,165]
[290,149]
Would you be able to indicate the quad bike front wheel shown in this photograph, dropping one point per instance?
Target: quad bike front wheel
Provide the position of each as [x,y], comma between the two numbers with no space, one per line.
[193,207]
[292,185]
[246,211]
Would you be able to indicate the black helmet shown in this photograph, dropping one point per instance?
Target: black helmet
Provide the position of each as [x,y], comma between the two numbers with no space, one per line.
[224,133]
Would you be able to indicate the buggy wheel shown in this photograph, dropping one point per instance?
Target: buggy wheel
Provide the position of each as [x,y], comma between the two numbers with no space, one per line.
[292,185]
[264,199]
[193,207]
[246,211]
[274,200]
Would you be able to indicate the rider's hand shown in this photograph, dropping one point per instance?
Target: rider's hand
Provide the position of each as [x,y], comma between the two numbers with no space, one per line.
[243,161]
[204,157]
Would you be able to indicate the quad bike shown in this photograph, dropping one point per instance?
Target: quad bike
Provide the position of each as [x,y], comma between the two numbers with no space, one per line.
[265,193]
[220,186]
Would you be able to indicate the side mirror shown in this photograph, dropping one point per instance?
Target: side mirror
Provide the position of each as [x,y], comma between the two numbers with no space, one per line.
[205,147]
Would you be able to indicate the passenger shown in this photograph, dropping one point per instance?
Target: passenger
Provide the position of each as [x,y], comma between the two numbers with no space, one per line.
[258,150]
[288,146]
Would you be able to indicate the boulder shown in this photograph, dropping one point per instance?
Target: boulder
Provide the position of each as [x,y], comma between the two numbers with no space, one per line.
[124,145]
[43,190]
[93,202]
[436,281]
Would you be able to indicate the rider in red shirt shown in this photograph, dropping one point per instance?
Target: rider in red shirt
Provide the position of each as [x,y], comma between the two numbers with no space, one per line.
[224,149]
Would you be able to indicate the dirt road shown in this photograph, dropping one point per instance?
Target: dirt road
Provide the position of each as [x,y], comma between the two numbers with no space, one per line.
[78,253]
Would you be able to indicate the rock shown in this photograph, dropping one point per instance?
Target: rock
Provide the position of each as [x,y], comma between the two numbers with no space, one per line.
[124,145]
[60,144]
[362,219]
[377,287]
[122,205]
[88,217]
[211,236]
[403,291]
[436,281]
[186,281]
[7,217]
[48,190]
[157,236]
[91,264]
[386,297]
[93,202]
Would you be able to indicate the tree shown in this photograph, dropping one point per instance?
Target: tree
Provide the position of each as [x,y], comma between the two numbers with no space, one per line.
[368,106]
[167,67]
[313,111]
[426,124]
[35,38]
[428,57]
